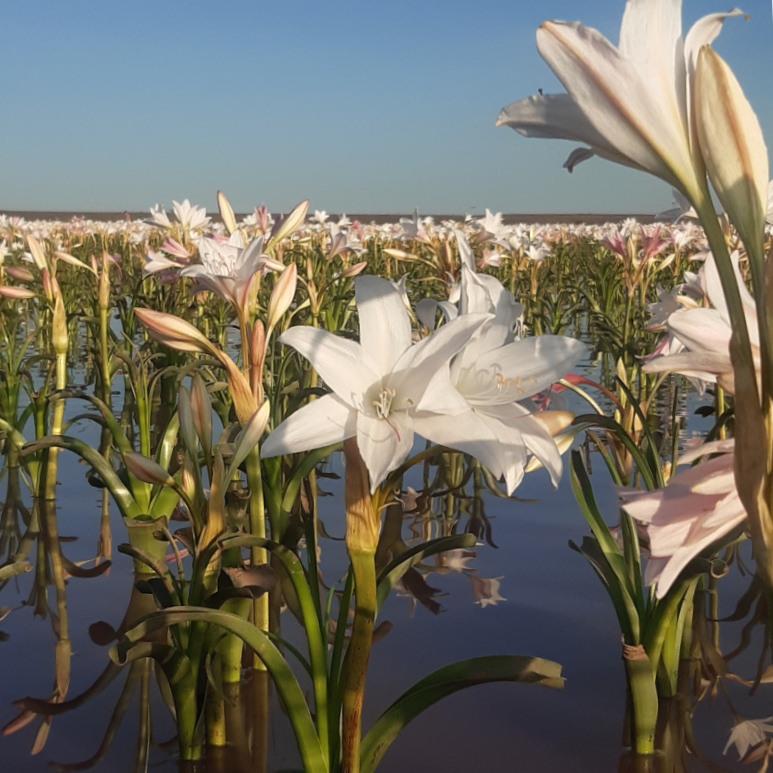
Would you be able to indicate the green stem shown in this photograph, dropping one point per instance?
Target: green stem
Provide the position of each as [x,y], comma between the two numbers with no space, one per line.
[643,699]
[364,569]
[258,555]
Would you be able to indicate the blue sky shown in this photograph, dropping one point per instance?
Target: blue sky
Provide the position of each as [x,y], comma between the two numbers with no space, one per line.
[357,106]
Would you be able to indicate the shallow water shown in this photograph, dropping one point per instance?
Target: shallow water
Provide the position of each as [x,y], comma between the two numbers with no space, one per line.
[555,608]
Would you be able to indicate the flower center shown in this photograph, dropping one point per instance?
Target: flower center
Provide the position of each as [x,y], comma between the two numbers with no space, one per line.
[383,404]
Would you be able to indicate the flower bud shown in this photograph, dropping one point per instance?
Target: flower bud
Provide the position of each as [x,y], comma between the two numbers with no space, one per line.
[226,212]
[733,148]
[281,296]
[16,293]
[290,224]
[146,470]
[201,412]
[19,273]
[59,333]
[104,284]
[38,255]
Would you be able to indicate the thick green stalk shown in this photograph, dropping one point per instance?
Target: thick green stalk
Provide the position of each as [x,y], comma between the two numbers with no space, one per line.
[49,485]
[106,378]
[364,569]
[258,555]
[643,698]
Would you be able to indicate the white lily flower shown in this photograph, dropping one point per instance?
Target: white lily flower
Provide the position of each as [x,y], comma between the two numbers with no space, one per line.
[491,375]
[227,269]
[631,104]
[190,217]
[377,383]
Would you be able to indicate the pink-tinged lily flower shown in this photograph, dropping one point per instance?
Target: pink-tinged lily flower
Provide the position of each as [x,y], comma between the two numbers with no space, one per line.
[696,508]
[173,247]
[227,269]
[631,104]
[156,262]
[377,384]
[651,242]
[705,334]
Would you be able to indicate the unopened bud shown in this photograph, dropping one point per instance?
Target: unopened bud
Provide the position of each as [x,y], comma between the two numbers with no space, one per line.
[226,212]
[38,255]
[281,296]
[290,224]
[147,470]
[19,274]
[59,334]
[354,270]
[104,284]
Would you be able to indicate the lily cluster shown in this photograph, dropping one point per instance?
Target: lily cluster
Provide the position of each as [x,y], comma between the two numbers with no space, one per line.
[468,385]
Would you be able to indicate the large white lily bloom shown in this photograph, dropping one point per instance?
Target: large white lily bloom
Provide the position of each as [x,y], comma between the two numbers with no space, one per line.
[377,384]
[494,376]
[631,104]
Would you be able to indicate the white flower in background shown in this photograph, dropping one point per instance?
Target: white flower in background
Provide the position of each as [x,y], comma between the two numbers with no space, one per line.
[377,384]
[705,334]
[159,216]
[190,217]
[319,216]
[537,251]
[413,227]
[227,269]
[157,261]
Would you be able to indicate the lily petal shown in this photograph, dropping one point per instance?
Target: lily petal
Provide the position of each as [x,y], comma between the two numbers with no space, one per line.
[384,443]
[321,423]
[339,361]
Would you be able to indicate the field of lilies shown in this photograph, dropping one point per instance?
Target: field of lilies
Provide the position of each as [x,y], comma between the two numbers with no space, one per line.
[183,393]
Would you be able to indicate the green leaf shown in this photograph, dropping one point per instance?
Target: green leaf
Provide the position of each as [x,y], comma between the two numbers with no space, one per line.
[284,679]
[446,681]
[620,585]
[120,493]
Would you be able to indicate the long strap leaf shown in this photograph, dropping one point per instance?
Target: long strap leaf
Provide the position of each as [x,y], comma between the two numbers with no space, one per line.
[446,681]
